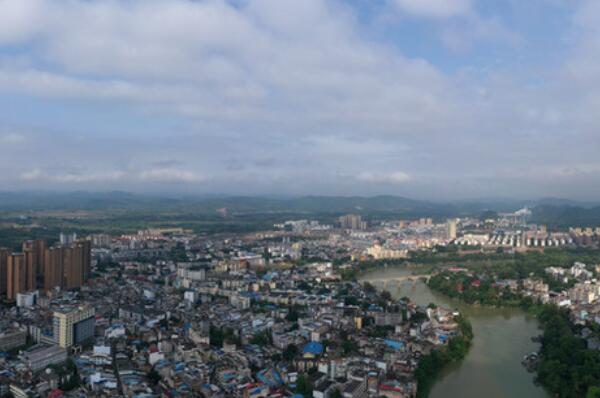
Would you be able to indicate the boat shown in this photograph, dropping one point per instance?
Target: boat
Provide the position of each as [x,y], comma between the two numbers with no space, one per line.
[530,361]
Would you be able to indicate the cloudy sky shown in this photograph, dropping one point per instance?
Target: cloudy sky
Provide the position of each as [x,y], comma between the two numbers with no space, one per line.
[422,98]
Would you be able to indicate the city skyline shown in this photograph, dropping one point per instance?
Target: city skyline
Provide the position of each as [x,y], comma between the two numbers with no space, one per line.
[420,98]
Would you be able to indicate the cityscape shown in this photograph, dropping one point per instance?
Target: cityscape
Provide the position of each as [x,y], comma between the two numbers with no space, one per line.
[303,308]
[299,198]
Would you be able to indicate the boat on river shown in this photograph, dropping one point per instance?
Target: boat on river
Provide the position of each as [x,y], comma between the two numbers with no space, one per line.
[530,361]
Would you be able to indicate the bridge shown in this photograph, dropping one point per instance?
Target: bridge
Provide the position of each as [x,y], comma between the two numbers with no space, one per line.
[397,281]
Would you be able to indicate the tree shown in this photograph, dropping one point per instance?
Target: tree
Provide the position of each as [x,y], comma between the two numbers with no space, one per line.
[261,338]
[336,393]
[385,295]
[292,315]
[593,392]
[369,288]
[153,376]
[290,352]
[303,386]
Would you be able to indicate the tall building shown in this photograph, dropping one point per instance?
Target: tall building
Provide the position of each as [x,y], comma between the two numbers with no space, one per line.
[67,239]
[72,326]
[85,247]
[3,270]
[101,240]
[37,247]
[53,268]
[352,221]
[451,229]
[77,263]
[67,267]
[15,275]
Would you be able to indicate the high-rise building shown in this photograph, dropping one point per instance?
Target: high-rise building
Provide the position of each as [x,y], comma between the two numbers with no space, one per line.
[38,247]
[67,239]
[85,250]
[451,229]
[352,221]
[53,268]
[67,267]
[73,326]
[101,240]
[30,258]
[3,270]
[15,275]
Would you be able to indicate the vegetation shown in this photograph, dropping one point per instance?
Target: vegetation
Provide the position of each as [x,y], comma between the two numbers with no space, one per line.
[431,365]
[290,352]
[303,385]
[472,290]
[262,338]
[567,367]
[220,336]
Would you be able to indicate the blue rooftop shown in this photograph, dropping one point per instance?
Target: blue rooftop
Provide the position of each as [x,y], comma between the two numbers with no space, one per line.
[313,347]
[396,345]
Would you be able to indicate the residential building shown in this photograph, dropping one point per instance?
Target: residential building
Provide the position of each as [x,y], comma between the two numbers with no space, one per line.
[15,275]
[73,326]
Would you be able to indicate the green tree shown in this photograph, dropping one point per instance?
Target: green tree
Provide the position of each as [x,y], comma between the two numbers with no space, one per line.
[290,352]
[593,392]
[336,393]
[303,386]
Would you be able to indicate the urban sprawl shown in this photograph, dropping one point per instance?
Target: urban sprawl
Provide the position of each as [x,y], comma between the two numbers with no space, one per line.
[278,313]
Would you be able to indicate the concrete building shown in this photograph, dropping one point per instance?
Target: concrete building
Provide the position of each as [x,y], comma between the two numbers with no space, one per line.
[53,268]
[3,270]
[379,252]
[35,249]
[39,357]
[352,221]
[67,267]
[451,229]
[73,326]
[28,299]
[12,338]
[15,275]
[67,239]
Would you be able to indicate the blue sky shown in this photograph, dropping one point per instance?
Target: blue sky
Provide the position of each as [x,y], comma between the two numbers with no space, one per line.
[423,98]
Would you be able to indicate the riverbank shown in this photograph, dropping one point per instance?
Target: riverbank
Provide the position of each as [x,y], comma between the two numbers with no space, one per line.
[502,336]
[431,365]
[566,366]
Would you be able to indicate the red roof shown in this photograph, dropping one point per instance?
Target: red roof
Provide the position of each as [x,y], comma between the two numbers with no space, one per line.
[55,393]
[389,387]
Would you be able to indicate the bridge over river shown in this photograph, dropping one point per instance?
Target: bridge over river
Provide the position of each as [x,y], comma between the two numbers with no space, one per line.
[385,282]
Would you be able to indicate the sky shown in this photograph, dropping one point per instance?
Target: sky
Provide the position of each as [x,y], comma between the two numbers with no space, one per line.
[428,99]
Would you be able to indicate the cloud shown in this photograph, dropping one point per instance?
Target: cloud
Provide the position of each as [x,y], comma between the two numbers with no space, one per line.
[435,8]
[396,177]
[170,176]
[283,95]
[12,138]
[32,175]
[155,175]
[75,178]
[248,71]
[72,178]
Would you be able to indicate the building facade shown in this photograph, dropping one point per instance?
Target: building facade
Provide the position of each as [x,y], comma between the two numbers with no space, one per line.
[73,326]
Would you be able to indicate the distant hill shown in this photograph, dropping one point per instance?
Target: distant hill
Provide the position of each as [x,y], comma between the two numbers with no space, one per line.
[25,201]
[566,215]
[547,211]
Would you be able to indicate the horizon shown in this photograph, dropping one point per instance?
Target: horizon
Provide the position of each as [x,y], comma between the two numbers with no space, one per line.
[284,197]
[455,99]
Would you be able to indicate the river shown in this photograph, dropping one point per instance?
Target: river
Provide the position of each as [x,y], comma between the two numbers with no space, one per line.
[492,368]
